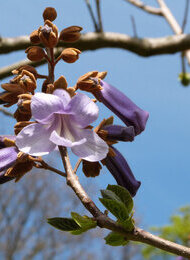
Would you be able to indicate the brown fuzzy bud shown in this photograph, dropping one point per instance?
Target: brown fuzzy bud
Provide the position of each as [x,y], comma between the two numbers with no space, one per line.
[60,83]
[49,14]
[50,88]
[35,53]
[102,74]
[27,81]
[26,67]
[91,169]
[8,142]
[48,34]
[70,34]
[34,37]
[20,115]
[89,82]
[70,55]
[19,169]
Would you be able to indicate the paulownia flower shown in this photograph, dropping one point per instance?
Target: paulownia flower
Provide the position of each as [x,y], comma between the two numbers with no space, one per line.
[118,133]
[8,157]
[121,171]
[122,106]
[62,120]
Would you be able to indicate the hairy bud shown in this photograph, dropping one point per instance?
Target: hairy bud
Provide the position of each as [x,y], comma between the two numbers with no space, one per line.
[50,14]
[35,53]
[70,55]
[70,34]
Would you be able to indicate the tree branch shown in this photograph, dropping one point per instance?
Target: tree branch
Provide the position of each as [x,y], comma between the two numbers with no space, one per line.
[92,41]
[105,222]
[146,8]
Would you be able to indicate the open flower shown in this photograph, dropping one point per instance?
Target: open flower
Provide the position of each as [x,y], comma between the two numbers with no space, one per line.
[62,120]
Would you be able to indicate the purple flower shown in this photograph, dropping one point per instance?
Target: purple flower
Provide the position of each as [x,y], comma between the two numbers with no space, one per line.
[119,133]
[123,107]
[8,157]
[62,121]
[121,171]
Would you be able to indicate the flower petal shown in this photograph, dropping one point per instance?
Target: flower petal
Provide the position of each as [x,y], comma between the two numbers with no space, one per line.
[63,95]
[34,139]
[83,110]
[94,149]
[59,140]
[8,157]
[43,106]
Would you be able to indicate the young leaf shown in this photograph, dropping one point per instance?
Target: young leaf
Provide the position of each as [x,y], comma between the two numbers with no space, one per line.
[117,208]
[64,224]
[115,239]
[108,194]
[123,195]
[83,221]
[128,224]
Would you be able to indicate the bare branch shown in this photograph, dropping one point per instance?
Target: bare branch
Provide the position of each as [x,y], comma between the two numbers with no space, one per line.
[146,8]
[92,41]
[185,15]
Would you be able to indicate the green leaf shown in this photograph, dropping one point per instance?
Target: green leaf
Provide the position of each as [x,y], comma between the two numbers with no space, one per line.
[85,223]
[115,239]
[128,224]
[108,194]
[117,208]
[123,195]
[64,224]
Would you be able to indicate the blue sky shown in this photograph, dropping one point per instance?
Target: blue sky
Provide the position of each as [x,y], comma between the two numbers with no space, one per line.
[159,157]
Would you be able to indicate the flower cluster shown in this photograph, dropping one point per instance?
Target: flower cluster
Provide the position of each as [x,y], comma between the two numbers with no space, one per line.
[62,115]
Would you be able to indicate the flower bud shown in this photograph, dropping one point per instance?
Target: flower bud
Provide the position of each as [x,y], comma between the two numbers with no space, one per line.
[87,83]
[70,55]
[49,14]
[34,37]
[26,67]
[27,81]
[91,169]
[35,53]
[118,133]
[70,34]
[48,34]
[119,168]
[122,106]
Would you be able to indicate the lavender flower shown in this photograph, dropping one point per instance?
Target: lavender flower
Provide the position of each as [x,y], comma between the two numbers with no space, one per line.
[62,121]
[121,171]
[123,107]
[119,133]
[8,157]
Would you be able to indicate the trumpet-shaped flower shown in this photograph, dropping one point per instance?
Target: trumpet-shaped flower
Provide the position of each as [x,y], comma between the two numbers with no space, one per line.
[62,121]
[123,107]
[121,171]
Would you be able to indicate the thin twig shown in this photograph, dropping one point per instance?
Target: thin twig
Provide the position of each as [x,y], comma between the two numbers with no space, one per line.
[92,15]
[46,166]
[146,8]
[6,113]
[185,15]
[134,27]
[77,165]
[100,25]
